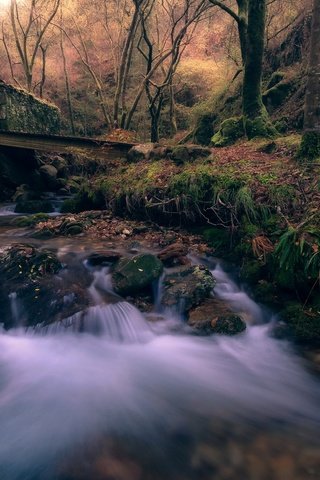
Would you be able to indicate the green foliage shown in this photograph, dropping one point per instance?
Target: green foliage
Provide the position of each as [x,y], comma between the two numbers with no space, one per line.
[87,198]
[218,238]
[298,250]
[305,324]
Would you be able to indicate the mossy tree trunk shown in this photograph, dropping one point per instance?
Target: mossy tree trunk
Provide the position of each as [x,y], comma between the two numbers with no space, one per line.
[255,115]
[310,145]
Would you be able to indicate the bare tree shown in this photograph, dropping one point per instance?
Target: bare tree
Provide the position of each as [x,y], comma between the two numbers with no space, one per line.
[30,26]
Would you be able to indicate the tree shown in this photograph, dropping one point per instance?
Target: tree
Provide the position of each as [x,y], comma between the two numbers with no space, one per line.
[310,145]
[30,26]
[251,21]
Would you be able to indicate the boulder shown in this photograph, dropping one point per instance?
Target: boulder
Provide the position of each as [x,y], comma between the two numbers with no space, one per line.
[173,254]
[49,176]
[32,293]
[213,316]
[187,287]
[131,275]
[180,155]
[34,206]
[140,152]
[196,151]
[61,166]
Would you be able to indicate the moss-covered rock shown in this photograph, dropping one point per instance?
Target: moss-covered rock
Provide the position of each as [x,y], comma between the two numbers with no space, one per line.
[180,155]
[131,275]
[187,287]
[30,220]
[230,130]
[259,127]
[275,96]
[215,317]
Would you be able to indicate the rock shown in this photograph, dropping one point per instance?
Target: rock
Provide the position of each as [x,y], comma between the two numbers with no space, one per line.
[103,258]
[23,261]
[132,275]
[61,166]
[140,152]
[25,274]
[195,151]
[34,206]
[173,254]
[187,287]
[49,176]
[180,155]
[213,316]
[159,152]
[30,220]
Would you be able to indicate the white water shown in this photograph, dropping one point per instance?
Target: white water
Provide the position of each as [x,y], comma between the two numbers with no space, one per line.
[63,388]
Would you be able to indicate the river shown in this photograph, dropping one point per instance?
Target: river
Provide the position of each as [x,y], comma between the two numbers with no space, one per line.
[113,396]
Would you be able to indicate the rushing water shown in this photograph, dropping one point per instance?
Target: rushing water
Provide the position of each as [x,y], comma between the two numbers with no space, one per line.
[108,395]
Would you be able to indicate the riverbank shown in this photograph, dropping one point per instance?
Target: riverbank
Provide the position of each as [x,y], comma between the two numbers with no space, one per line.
[253,203]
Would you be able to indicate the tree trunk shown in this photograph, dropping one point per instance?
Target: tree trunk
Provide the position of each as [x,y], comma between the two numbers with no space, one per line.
[242,27]
[310,145]
[252,95]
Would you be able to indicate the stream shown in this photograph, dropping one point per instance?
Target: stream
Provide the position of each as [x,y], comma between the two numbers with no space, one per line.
[111,395]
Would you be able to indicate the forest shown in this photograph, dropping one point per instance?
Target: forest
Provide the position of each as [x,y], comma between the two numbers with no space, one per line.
[159,239]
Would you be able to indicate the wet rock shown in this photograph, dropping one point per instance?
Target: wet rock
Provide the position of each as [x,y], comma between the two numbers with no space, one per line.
[25,262]
[25,274]
[140,152]
[34,206]
[215,317]
[187,287]
[30,220]
[103,258]
[173,254]
[132,275]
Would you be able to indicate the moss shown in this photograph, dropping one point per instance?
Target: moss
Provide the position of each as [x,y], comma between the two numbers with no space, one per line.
[180,155]
[275,78]
[218,238]
[276,96]
[310,146]
[251,271]
[204,129]
[34,206]
[230,131]
[31,220]
[305,324]
[259,127]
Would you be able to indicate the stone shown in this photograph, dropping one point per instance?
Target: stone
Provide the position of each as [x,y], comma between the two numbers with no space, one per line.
[34,206]
[49,175]
[23,112]
[196,151]
[132,275]
[187,287]
[140,152]
[61,166]
[213,316]
[173,253]
[180,155]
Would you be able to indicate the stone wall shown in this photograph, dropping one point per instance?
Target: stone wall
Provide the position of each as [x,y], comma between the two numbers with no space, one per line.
[22,112]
